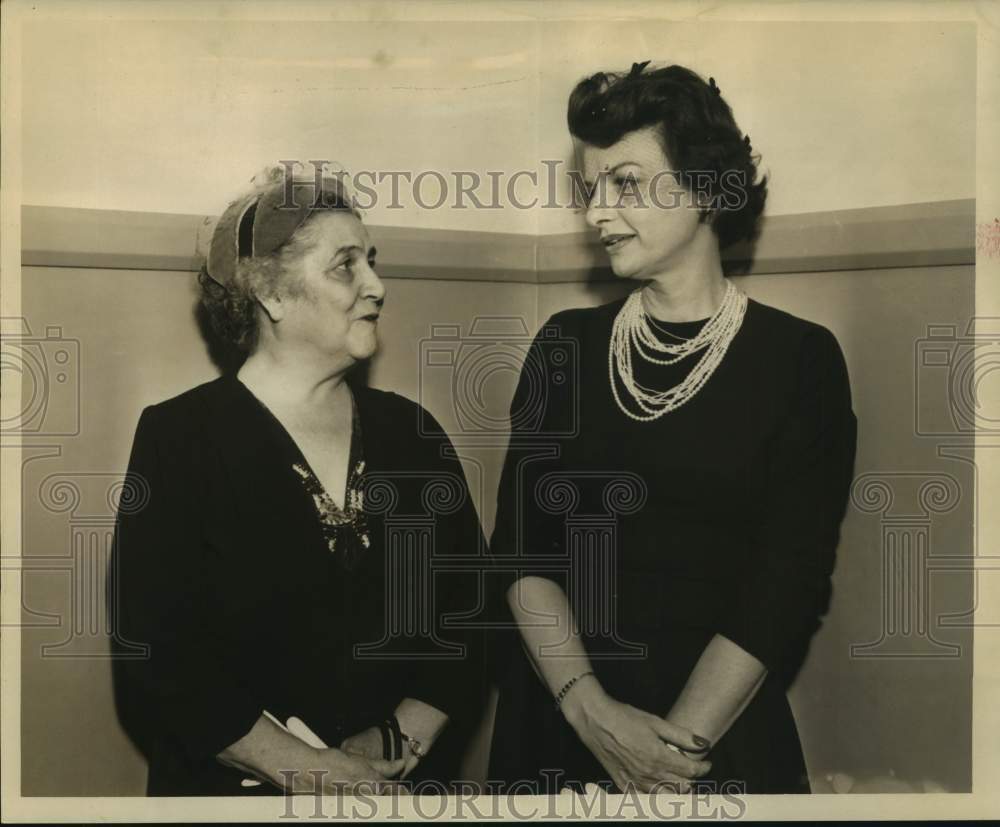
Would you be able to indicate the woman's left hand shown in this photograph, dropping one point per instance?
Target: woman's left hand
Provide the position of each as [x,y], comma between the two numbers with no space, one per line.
[368,745]
[631,744]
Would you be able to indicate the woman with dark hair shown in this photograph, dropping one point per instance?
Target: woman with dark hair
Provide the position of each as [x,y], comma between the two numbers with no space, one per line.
[276,622]
[671,515]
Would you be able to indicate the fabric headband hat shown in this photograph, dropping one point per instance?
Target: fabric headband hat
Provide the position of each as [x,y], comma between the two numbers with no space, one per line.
[258,223]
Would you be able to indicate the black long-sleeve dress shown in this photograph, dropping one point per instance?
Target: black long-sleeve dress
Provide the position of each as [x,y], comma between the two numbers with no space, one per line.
[721,517]
[246,600]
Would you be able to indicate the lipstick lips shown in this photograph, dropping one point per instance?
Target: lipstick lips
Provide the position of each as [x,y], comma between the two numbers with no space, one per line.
[615,241]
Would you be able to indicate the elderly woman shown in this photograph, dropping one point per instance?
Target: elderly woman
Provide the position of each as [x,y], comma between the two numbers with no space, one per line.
[278,571]
[708,436]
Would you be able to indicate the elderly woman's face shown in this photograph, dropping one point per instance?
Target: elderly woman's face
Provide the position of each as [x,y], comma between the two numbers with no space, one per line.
[645,217]
[337,305]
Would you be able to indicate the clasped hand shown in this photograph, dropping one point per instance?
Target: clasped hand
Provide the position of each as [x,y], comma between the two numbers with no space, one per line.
[631,744]
[368,745]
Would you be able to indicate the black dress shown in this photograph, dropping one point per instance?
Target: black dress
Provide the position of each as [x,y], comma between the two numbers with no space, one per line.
[250,593]
[721,517]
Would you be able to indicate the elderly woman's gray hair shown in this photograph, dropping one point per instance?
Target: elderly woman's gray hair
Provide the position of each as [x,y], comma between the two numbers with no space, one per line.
[256,246]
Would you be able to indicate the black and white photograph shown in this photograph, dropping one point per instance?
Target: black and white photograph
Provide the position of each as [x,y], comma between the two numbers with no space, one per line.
[500,411]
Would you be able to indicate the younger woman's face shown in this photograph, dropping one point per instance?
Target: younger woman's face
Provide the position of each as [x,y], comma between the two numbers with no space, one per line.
[339,297]
[645,217]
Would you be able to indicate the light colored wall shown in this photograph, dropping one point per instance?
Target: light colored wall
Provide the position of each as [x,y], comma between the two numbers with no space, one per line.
[837,123]
[173,116]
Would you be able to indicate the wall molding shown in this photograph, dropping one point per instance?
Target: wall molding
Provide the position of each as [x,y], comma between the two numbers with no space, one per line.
[909,235]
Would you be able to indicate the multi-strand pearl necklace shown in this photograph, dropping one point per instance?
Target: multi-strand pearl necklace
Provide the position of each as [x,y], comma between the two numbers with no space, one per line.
[631,327]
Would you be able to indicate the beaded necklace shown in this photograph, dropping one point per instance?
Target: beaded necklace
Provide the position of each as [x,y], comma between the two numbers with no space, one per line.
[631,328]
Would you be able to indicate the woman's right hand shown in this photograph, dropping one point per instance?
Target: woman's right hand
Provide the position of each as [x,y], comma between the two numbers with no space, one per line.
[632,744]
[338,773]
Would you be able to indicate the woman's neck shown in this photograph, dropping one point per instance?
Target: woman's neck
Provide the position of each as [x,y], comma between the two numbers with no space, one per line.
[689,289]
[292,382]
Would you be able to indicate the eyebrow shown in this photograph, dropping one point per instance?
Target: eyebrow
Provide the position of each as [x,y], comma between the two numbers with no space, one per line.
[614,169]
[370,253]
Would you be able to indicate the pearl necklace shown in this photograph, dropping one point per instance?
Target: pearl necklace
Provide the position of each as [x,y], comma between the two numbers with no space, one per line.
[631,328]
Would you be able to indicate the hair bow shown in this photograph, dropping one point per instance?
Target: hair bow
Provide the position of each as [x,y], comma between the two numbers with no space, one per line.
[637,68]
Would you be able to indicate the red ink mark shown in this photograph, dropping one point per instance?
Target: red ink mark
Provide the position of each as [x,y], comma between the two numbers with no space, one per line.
[988,238]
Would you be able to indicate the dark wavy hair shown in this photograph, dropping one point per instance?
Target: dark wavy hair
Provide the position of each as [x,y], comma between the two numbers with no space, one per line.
[697,132]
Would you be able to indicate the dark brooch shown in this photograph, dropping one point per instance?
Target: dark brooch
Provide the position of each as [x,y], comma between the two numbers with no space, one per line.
[344,529]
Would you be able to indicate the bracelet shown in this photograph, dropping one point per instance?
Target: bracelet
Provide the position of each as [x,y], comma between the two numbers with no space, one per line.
[386,741]
[415,746]
[569,685]
[392,739]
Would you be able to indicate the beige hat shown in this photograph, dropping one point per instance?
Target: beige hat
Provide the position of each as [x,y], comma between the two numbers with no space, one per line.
[259,222]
